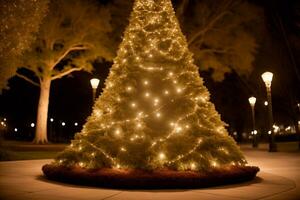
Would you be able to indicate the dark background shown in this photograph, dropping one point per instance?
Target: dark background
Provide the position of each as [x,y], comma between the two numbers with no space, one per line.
[71,97]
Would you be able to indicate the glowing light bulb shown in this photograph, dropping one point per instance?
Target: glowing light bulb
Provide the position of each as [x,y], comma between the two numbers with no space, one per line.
[161,156]
[179,90]
[166,92]
[199,140]
[133,105]
[147,94]
[170,73]
[81,164]
[158,115]
[187,126]
[193,166]
[75,124]
[146,82]
[32,125]
[178,129]
[214,163]
[129,88]
[139,125]
[93,154]
[123,149]
[150,55]
[117,132]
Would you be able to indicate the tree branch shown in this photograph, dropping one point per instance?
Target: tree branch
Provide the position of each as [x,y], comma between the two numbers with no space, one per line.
[74,48]
[221,51]
[27,79]
[66,72]
[207,28]
[222,12]
[181,9]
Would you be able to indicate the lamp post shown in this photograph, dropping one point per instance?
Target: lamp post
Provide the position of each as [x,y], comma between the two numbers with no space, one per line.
[252,101]
[94,83]
[267,78]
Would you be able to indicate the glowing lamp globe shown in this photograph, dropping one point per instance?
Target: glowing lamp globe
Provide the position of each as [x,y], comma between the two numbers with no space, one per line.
[267,78]
[94,83]
[252,101]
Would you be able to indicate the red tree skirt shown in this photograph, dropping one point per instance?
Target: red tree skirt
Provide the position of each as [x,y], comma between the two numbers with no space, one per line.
[135,179]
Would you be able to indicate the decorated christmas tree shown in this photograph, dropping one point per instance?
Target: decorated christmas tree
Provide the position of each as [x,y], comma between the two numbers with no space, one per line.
[154,113]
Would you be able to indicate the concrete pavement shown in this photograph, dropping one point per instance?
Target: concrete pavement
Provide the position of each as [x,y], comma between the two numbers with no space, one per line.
[279,178]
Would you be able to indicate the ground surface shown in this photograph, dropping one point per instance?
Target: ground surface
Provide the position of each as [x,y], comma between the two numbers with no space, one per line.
[279,179]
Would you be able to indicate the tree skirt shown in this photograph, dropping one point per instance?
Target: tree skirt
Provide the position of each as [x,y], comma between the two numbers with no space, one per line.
[139,179]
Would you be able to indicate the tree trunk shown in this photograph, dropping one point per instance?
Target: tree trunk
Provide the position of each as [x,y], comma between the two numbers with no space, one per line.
[42,112]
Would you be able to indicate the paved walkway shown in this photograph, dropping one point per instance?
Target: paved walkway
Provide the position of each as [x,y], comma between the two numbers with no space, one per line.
[279,179]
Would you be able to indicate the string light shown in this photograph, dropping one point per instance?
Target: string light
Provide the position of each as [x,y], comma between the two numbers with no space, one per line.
[158,115]
[161,156]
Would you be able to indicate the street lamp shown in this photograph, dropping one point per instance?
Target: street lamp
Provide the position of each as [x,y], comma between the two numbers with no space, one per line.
[94,83]
[252,101]
[267,78]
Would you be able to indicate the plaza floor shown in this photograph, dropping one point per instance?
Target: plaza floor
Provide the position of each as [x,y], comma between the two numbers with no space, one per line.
[279,179]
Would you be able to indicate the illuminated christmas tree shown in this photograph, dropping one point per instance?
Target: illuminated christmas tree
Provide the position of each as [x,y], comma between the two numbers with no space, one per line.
[154,112]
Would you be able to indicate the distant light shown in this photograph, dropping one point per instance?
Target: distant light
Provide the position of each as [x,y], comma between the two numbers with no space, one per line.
[63,123]
[269,132]
[4,119]
[16,130]
[2,123]
[51,120]
[32,125]
[266,103]
[75,124]
[255,132]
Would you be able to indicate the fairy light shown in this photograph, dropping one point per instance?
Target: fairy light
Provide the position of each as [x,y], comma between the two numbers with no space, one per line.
[193,166]
[133,105]
[161,156]
[147,94]
[129,88]
[81,164]
[146,82]
[166,92]
[158,115]
[123,149]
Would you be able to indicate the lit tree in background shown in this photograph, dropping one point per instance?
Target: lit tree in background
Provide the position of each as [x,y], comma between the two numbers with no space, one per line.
[154,111]
[20,20]
[71,37]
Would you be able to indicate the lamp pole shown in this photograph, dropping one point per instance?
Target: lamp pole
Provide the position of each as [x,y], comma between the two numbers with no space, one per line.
[267,78]
[94,83]
[252,101]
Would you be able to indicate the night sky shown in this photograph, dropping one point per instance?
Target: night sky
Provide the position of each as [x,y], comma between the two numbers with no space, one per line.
[71,97]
